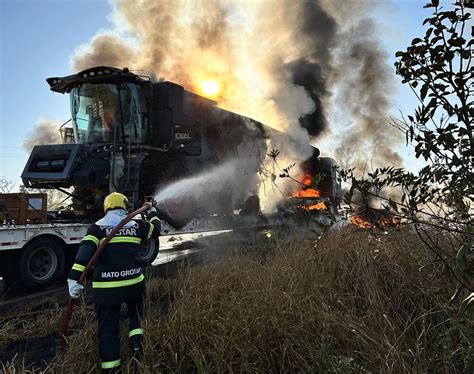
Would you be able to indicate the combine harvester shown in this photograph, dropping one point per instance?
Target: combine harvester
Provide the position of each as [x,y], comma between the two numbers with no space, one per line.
[135,136]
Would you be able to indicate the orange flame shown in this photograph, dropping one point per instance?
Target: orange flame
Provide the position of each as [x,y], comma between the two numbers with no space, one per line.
[382,222]
[360,222]
[306,191]
[317,206]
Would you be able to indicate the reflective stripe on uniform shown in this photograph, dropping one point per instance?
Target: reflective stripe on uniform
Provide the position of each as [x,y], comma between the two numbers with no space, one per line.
[124,239]
[150,231]
[122,283]
[91,238]
[135,332]
[78,267]
[110,364]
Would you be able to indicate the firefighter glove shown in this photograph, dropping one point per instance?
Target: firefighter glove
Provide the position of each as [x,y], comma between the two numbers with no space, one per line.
[75,288]
[151,210]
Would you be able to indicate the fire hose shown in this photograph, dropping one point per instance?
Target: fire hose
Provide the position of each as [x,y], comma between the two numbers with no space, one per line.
[90,264]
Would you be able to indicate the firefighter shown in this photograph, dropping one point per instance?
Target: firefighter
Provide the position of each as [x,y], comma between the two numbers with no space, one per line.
[117,276]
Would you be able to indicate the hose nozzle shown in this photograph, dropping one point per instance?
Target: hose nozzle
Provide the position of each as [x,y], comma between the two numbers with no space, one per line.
[150,200]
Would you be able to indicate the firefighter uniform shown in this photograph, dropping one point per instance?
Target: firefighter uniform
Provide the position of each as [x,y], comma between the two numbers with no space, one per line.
[117,278]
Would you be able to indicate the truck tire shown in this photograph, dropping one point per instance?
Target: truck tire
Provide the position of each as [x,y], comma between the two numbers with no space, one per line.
[149,250]
[41,263]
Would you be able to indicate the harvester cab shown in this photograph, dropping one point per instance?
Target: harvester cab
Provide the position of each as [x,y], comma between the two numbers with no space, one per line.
[111,135]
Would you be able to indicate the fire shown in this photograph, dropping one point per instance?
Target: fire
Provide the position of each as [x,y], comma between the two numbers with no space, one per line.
[317,206]
[210,88]
[360,222]
[306,191]
[375,218]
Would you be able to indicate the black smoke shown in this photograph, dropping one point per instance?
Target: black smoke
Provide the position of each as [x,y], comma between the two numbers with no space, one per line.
[318,31]
[309,75]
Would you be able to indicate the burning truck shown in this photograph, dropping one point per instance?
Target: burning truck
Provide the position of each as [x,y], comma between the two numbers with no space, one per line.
[136,136]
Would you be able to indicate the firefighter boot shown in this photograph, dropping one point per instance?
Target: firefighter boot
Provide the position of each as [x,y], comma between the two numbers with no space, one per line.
[136,346]
[136,352]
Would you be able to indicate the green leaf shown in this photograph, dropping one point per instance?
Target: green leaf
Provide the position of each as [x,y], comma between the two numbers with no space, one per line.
[424,91]
[449,55]
[456,42]
[465,54]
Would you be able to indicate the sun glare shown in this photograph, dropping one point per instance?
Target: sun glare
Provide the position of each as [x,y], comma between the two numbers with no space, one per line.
[209,88]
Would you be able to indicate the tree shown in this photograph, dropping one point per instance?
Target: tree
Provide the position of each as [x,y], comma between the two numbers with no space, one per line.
[438,69]
[6,185]
[439,65]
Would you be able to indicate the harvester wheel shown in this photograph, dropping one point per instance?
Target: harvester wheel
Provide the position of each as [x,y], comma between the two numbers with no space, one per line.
[178,212]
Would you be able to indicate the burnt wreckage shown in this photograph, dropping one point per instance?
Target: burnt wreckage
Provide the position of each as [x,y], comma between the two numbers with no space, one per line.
[136,136]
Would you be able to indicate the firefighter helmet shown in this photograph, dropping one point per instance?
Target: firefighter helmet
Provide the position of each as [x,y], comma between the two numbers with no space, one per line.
[116,200]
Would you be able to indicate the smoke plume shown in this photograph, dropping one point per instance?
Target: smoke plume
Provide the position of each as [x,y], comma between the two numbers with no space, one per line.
[46,131]
[113,52]
[294,66]
[311,71]
[364,82]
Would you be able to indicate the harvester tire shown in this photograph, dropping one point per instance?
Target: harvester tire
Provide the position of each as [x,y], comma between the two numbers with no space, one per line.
[178,212]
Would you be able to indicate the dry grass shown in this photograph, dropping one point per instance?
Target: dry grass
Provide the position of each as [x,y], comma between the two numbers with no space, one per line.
[39,320]
[348,303]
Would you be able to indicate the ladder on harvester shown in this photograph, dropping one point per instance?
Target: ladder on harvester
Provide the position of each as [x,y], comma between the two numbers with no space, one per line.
[131,180]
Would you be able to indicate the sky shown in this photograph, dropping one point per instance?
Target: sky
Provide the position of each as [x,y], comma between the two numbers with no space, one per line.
[38,37]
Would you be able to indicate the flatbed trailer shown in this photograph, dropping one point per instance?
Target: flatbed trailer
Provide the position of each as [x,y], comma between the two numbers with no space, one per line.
[34,256]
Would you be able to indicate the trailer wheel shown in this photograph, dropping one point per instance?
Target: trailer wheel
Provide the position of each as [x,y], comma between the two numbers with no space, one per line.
[149,250]
[41,263]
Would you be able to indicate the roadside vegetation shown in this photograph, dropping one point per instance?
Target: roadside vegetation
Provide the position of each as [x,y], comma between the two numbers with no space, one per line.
[437,67]
[353,301]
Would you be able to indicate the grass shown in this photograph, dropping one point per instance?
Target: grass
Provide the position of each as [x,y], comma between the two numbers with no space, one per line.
[350,302]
